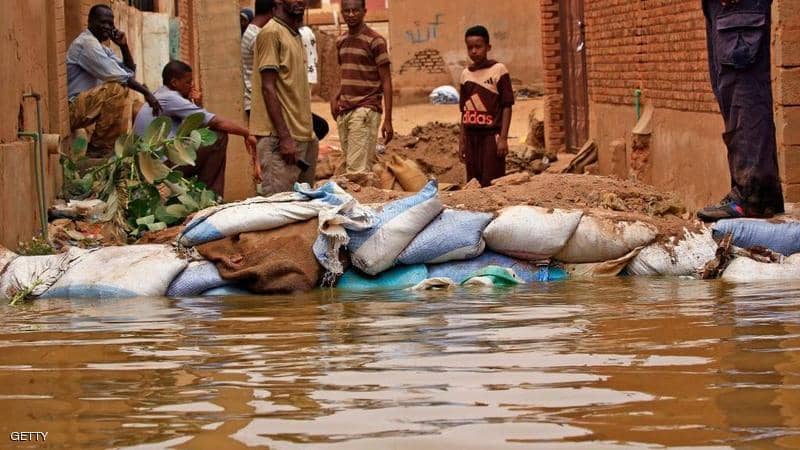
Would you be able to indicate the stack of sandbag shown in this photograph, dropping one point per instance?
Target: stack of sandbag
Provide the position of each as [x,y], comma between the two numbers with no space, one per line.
[275,261]
[375,249]
[119,272]
[681,256]
[33,275]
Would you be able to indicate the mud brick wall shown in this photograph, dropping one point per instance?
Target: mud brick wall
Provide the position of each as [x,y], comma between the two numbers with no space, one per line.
[656,46]
[786,22]
[427,61]
[553,87]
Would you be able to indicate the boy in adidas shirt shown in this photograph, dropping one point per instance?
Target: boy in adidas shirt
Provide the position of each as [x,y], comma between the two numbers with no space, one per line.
[486,100]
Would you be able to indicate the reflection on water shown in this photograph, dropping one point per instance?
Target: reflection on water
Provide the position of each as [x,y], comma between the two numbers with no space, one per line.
[632,363]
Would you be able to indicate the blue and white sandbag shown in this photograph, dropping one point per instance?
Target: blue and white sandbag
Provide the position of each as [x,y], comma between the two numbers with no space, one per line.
[198,277]
[376,249]
[120,272]
[400,277]
[452,236]
[783,238]
[459,271]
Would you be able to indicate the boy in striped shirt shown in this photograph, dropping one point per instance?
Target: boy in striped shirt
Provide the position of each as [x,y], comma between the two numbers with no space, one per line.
[366,81]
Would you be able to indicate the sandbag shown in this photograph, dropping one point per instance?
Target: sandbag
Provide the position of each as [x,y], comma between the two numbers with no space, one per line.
[599,239]
[530,232]
[198,277]
[452,236]
[400,277]
[682,256]
[6,256]
[226,291]
[255,214]
[783,238]
[408,173]
[493,276]
[444,95]
[269,262]
[120,272]
[434,284]
[528,272]
[386,178]
[606,269]
[743,270]
[376,249]
[35,274]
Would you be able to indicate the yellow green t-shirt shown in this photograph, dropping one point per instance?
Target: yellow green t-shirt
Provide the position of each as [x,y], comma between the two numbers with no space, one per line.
[279,47]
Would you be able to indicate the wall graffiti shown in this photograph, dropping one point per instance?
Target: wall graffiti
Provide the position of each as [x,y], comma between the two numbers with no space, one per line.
[426,61]
[425,32]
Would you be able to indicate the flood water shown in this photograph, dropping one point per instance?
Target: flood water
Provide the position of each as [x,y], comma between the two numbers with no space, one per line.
[632,363]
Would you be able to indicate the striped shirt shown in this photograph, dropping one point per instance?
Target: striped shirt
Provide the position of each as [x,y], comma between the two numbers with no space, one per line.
[360,55]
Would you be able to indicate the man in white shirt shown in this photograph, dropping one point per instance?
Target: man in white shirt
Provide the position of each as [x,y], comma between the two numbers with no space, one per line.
[264,12]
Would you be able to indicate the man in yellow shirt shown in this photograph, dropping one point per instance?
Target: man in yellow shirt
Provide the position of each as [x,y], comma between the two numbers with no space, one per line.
[280,113]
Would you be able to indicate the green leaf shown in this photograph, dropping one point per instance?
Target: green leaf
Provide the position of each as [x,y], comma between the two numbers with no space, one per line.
[196,138]
[158,226]
[207,137]
[157,131]
[190,124]
[162,215]
[177,188]
[147,220]
[181,154]
[178,211]
[188,202]
[208,199]
[174,177]
[152,169]
[125,145]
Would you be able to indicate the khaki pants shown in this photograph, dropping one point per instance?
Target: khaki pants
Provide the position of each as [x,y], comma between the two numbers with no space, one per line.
[277,176]
[358,132]
[109,107]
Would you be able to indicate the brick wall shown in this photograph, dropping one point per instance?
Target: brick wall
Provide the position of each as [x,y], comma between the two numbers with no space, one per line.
[787,88]
[657,46]
[553,88]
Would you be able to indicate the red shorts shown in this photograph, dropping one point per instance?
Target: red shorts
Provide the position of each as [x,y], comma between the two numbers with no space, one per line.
[482,161]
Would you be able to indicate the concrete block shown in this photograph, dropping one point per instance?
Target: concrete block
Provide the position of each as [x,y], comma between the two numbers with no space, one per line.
[788,86]
[155,47]
[789,162]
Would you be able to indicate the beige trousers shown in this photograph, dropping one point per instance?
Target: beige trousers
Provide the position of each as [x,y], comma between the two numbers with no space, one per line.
[109,107]
[277,176]
[358,132]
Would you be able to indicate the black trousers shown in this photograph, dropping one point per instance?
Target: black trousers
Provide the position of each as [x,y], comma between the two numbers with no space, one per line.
[740,65]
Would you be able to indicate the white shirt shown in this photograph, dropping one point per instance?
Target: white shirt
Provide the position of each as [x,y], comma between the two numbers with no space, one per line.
[248,43]
[310,44]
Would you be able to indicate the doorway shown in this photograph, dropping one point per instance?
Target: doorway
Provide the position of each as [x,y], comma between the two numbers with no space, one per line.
[576,89]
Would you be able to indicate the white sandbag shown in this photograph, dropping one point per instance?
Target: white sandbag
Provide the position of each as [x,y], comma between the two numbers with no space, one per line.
[530,232]
[255,214]
[198,277]
[434,284]
[129,271]
[601,239]
[376,249]
[6,256]
[682,256]
[743,270]
[35,273]
[452,236]
[606,269]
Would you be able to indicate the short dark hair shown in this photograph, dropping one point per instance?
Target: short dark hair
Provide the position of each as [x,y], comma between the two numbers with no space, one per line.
[95,10]
[264,7]
[363,3]
[174,69]
[478,31]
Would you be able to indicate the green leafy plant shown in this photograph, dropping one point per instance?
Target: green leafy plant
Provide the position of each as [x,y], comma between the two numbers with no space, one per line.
[143,193]
[37,246]
[23,294]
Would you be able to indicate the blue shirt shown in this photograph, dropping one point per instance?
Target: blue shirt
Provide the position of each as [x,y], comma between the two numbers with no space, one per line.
[174,106]
[90,64]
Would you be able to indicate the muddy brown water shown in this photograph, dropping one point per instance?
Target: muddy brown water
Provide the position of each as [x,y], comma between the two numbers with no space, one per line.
[633,363]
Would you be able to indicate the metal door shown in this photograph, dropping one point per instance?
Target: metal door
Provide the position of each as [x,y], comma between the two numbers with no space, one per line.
[576,90]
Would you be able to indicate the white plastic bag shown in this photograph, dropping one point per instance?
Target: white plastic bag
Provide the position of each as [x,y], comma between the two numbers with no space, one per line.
[599,239]
[530,232]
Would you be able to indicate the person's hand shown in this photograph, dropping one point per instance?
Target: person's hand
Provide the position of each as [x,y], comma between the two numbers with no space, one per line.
[250,142]
[118,37]
[387,131]
[502,146]
[288,150]
[153,102]
[334,107]
[196,97]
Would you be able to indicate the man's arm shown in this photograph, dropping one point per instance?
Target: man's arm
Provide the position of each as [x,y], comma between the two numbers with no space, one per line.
[269,89]
[502,140]
[119,38]
[225,125]
[148,96]
[387,130]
